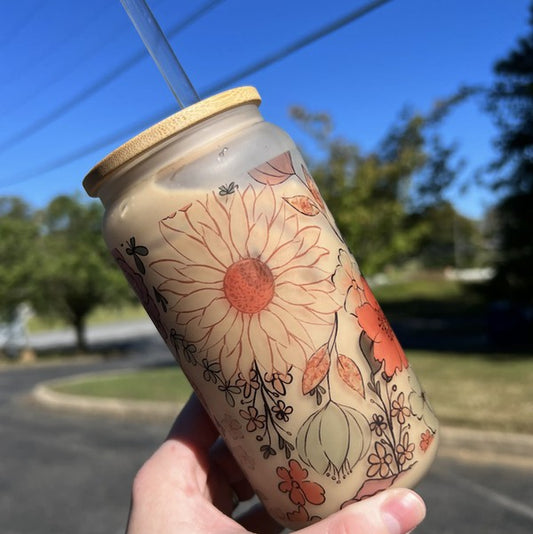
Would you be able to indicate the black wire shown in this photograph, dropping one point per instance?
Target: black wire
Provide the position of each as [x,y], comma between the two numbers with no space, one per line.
[297,45]
[125,132]
[96,86]
[83,151]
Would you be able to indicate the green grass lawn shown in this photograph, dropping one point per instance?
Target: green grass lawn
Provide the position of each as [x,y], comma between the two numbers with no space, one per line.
[469,390]
[491,392]
[161,384]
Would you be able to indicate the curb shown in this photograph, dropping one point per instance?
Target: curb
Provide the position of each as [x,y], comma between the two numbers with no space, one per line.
[44,395]
[7,366]
[477,446]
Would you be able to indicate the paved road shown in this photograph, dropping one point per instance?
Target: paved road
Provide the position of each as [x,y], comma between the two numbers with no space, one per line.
[69,474]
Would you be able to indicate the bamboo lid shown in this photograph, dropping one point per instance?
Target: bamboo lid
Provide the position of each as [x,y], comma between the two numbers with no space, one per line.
[160,132]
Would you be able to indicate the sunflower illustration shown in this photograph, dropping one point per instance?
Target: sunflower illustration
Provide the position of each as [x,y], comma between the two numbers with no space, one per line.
[247,280]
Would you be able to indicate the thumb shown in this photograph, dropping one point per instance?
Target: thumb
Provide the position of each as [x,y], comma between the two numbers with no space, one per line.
[395,511]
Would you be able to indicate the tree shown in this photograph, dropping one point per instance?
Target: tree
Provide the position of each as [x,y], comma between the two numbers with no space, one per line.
[450,239]
[511,102]
[373,196]
[18,255]
[76,273]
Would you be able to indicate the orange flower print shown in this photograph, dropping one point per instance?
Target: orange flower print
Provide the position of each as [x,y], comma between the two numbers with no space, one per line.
[380,462]
[247,280]
[386,347]
[253,419]
[348,281]
[250,385]
[426,439]
[405,450]
[278,381]
[399,410]
[301,515]
[295,483]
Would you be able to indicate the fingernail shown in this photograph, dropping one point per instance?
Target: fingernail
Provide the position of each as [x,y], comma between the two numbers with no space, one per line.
[402,511]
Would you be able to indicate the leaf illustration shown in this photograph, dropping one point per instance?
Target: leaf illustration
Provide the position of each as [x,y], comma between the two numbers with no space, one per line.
[139,264]
[316,369]
[303,204]
[351,374]
[160,299]
[274,171]
[313,188]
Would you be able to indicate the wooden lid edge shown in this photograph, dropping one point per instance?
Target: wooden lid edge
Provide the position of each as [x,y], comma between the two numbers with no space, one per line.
[165,129]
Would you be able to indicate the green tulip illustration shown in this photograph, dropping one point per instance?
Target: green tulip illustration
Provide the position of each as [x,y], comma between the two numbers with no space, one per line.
[333,440]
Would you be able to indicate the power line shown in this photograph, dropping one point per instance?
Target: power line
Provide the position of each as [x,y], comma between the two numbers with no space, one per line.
[26,70]
[132,129]
[82,151]
[99,84]
[297,45]
[79,59]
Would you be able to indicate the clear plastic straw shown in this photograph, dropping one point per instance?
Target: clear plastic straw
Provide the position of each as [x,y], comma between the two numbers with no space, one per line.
[157,44]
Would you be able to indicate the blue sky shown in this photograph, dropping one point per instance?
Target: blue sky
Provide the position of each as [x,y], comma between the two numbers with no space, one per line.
[405,53]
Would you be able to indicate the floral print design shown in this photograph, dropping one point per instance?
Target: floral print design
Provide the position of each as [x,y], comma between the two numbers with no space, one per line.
[421,407]
[233,291]
[393,453]
[399,410]
[380,461]
[254,421]
[426,439]
[348,281]
[295,483]
[378,424]
[232,427]
[136,281]
[386,347]
[405,450]
[257,308]
[300,490]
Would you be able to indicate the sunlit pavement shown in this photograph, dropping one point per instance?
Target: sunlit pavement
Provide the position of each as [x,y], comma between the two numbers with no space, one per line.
[64,473]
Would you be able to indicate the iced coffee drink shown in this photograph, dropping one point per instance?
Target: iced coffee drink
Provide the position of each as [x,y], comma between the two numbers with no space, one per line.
[218,226]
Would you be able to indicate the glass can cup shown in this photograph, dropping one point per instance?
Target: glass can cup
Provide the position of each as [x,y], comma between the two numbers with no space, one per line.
[218,226]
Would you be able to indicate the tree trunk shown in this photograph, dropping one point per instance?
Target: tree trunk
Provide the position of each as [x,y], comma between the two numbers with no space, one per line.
[81,342]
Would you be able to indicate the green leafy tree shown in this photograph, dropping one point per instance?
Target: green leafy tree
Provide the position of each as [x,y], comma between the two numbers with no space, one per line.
[449,239]
[511,102]
[373,196]
[18,255]
[76,273]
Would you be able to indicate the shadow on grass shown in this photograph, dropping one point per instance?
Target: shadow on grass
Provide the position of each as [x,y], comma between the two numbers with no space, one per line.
[496,329]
